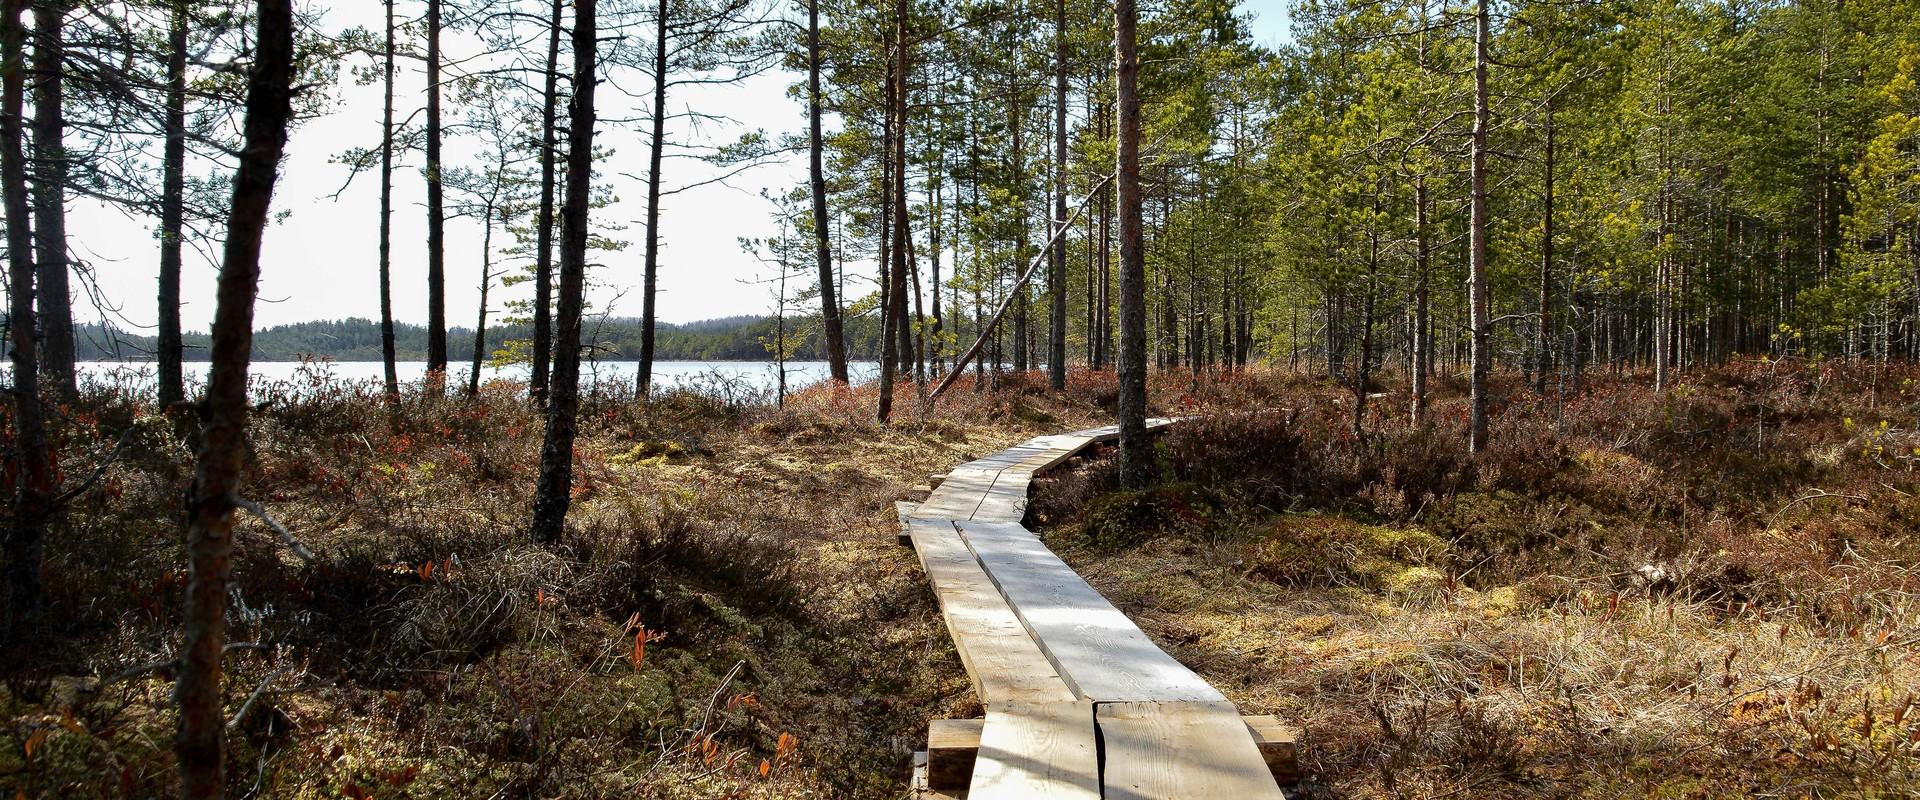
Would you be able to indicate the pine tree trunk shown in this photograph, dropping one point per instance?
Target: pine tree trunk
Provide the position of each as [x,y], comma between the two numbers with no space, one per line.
[892,257]
[656,153]
[32,461]
[173,182]
[1135,454]
[436,214]
[1091,324]
[831,328]
[221,461]
[388,353]
[1057,275]
[919,308]
[554,492]
[936,325]
[902,232]
[1482,354]
[543,225]
[1022,326]
[1543,359]
[50,200]
[1106,262]
[486,280]
[1422,323]
[1365,372]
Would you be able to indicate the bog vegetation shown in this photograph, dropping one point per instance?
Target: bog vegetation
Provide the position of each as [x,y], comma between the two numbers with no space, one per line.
[1551,367]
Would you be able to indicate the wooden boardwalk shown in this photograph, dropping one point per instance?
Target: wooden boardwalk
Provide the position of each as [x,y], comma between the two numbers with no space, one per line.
[1080,703]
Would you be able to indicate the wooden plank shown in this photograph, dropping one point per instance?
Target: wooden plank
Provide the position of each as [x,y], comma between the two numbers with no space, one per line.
[1056,449]
[1006,500]
[1096,649]
[1001,658]
[1044,750]
[952,746]
[1180,751]
[1279,746]
[959,495]
[1003,505]
[1103,433]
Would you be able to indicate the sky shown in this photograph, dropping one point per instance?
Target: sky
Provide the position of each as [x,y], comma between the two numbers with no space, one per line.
[321,260]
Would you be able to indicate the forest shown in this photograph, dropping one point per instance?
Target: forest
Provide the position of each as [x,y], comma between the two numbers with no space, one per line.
[1391,398]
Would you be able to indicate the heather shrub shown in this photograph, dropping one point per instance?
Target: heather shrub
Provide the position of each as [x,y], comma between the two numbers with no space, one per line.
[1124,518]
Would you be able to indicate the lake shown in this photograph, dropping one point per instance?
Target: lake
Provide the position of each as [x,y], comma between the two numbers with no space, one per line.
[729,376]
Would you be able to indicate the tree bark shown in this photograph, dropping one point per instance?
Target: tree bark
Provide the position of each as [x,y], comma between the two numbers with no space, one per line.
[935,209]
[554,492]
[1365,371]
[656,151]
[50,199]
[1057,275]
[831,328]
[901,250]
[221,461]
[1105,348]
[172,381]
[1482,353]
[1543,358]
[436,213]
[1135,454]
[486,280]
[543,233]
[919,357]
[897,154]
[33,463]
[1022,327]
[1422,321]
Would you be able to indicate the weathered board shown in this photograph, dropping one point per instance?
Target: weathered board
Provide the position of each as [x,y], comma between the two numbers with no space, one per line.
[959,495]
[952,745]
[1001,658]
[1037,750]
[1180,751]
[1006,501]
[1279,745]
[1100,653]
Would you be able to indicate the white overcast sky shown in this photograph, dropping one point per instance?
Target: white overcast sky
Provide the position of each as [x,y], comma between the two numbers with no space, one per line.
[320,262]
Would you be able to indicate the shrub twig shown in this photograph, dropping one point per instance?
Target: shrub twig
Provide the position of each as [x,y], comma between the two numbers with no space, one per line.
[286,536]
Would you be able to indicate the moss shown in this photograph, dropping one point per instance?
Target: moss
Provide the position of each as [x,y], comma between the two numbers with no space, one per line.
[1496,603]
[1312,625]
[1318,550]
[649,450]
[1416,583]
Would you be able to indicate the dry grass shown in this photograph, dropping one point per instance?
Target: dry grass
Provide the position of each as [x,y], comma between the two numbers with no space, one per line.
[1442,625]
[1706,594]
[432,651]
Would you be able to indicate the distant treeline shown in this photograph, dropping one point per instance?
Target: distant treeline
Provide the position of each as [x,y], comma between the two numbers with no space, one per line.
[740,338]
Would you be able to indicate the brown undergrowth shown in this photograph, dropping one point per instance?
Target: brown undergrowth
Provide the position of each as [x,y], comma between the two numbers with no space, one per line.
[728,616]
[1696,594]
[1708,592]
